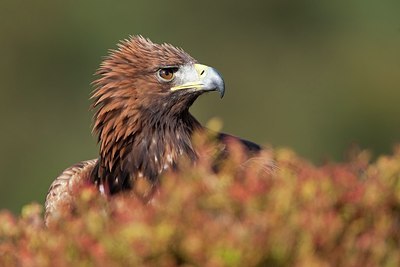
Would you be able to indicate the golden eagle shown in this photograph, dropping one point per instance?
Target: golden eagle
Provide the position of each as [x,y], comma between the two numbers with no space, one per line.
[143,124]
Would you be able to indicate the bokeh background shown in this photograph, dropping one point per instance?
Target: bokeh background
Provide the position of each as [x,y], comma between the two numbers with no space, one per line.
[316,76]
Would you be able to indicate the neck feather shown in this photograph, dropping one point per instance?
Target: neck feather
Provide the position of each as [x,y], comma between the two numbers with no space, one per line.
[133,147]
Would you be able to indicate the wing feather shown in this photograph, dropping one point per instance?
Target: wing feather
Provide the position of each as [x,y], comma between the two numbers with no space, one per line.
[60,191]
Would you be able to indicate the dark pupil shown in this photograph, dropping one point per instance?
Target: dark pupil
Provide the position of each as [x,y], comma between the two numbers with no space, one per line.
[167,72]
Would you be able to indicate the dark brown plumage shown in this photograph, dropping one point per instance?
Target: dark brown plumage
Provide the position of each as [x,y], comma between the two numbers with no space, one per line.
[142,120]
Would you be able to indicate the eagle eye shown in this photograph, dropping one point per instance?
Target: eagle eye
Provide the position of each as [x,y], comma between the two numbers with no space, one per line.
[167,74]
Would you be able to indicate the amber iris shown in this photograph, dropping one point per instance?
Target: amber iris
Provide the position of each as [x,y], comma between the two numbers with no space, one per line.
[167,74]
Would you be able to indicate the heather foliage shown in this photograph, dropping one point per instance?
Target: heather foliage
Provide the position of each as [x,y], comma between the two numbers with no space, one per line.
[297,215]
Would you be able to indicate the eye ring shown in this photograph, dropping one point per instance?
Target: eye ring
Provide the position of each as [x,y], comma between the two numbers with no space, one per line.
[167,74]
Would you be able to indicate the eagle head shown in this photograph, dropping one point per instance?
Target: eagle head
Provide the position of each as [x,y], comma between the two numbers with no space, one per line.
[142,120]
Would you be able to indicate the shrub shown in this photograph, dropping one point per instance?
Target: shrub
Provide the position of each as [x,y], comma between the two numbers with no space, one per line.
[298,215]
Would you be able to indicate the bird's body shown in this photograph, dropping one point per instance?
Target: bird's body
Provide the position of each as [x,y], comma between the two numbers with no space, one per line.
[142,120]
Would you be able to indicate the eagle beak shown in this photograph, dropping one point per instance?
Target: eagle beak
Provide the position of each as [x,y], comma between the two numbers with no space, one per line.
[202,78]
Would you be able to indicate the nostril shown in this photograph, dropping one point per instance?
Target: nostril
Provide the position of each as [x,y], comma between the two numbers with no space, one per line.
[202,72]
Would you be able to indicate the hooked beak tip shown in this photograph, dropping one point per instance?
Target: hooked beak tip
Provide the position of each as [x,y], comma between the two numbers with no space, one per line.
[213,81]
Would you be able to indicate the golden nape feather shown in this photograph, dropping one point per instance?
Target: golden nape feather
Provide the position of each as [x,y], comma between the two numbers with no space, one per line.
[142,121]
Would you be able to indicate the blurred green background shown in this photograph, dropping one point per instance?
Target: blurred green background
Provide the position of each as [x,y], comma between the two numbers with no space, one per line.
[315,76]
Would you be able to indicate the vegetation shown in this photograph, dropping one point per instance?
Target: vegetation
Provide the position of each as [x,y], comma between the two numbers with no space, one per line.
[297,215]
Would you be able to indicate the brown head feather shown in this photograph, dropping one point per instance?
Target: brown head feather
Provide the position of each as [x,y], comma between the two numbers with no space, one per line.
[138,117]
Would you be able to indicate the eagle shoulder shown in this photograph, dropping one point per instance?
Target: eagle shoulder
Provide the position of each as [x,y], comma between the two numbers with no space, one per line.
[248,145]
[60,193]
